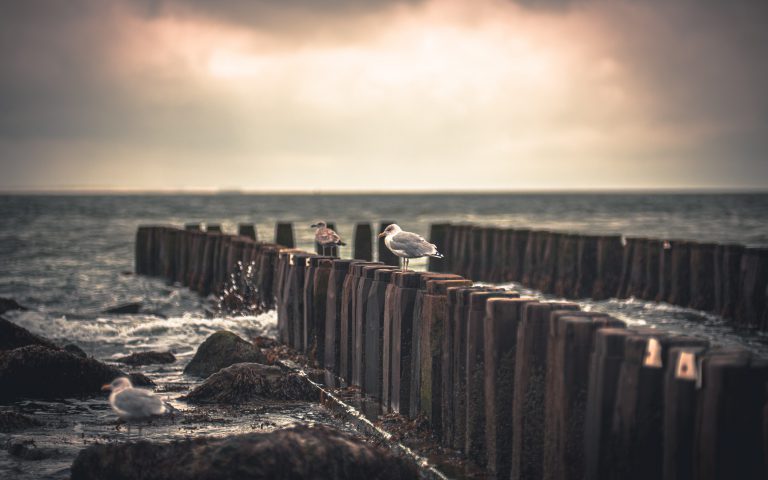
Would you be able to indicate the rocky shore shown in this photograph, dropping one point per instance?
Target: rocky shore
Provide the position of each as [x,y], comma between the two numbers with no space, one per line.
[271,422]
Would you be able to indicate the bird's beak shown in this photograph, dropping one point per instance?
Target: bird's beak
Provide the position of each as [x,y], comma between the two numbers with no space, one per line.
[382,234]
[106,387]
[314,225]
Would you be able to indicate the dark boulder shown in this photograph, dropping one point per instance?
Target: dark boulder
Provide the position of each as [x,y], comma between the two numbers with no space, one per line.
[140,380]
[147,358]
[26,449]
[293,453]
[8,304]
[124,309]
[39,372]
[13,336]
[75,350]
[221,350]
[12,422]
[245,382]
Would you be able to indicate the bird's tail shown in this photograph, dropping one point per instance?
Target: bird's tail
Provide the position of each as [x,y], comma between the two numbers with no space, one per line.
[437,255]
[342,244]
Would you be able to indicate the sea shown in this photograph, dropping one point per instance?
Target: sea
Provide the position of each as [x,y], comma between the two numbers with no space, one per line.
[67,258]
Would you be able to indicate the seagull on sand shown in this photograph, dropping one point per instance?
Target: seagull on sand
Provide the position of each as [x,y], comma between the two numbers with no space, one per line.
[325,237]
[133,403]
[407,245]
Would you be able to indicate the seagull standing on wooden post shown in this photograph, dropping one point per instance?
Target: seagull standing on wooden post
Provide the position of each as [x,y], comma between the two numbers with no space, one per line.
[407,245]
[325,237]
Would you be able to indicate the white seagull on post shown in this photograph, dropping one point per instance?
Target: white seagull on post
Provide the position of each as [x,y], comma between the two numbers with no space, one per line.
[407,245]
[325,237]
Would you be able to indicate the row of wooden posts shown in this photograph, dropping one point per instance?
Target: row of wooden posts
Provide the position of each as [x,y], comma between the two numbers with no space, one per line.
[728,280]
[525,389]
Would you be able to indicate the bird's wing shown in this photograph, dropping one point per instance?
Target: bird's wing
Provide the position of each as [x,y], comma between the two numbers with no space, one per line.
[326,236]
[139,402]
[412,244]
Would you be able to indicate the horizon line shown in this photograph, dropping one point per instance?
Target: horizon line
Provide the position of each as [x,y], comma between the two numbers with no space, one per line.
[235,191]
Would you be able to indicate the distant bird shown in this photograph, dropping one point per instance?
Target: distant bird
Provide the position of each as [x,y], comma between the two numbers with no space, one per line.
[325,237]
[133,403]
[407,245]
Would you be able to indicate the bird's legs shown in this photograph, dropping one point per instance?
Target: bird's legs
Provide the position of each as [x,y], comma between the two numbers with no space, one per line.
[405,264]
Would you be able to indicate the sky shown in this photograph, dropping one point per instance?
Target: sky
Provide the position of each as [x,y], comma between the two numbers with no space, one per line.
[358,95]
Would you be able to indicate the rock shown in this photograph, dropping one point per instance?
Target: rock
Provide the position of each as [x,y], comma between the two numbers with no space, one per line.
[298,452]
[75,350]
[147,358]
[221,350]
[26,449]
[39,372]
[13,336]
[140,380]
[246,382]
[12,422]
[8,304]
[125,308]
[265,342]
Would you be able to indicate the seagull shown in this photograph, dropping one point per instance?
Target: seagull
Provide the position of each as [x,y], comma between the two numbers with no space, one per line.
[407,245]
[133,403]
[325,237]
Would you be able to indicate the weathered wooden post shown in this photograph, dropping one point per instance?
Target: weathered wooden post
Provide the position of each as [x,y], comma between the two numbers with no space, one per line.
[702,293]
[474,442]
[284,234]
[571,336]
[438,233]
[528,415]
[332,349]
[385,256]
[610,253]
[374,333]
[247,230]
[500,328]
[360,354]
[418,306]
[363,248]
[727,266]
[729,430]
[433,324]
[679,273]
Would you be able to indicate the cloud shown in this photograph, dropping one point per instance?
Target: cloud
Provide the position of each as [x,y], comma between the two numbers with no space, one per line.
[557,94]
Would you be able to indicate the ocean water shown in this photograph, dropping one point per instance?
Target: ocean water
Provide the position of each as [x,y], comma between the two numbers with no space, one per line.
[67,258]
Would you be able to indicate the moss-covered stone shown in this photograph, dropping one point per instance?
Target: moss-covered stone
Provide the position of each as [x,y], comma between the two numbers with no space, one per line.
[221,350]
[245,382]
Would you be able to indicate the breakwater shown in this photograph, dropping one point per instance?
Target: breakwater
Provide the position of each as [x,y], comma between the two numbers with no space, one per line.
[725,279]
[525,389]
